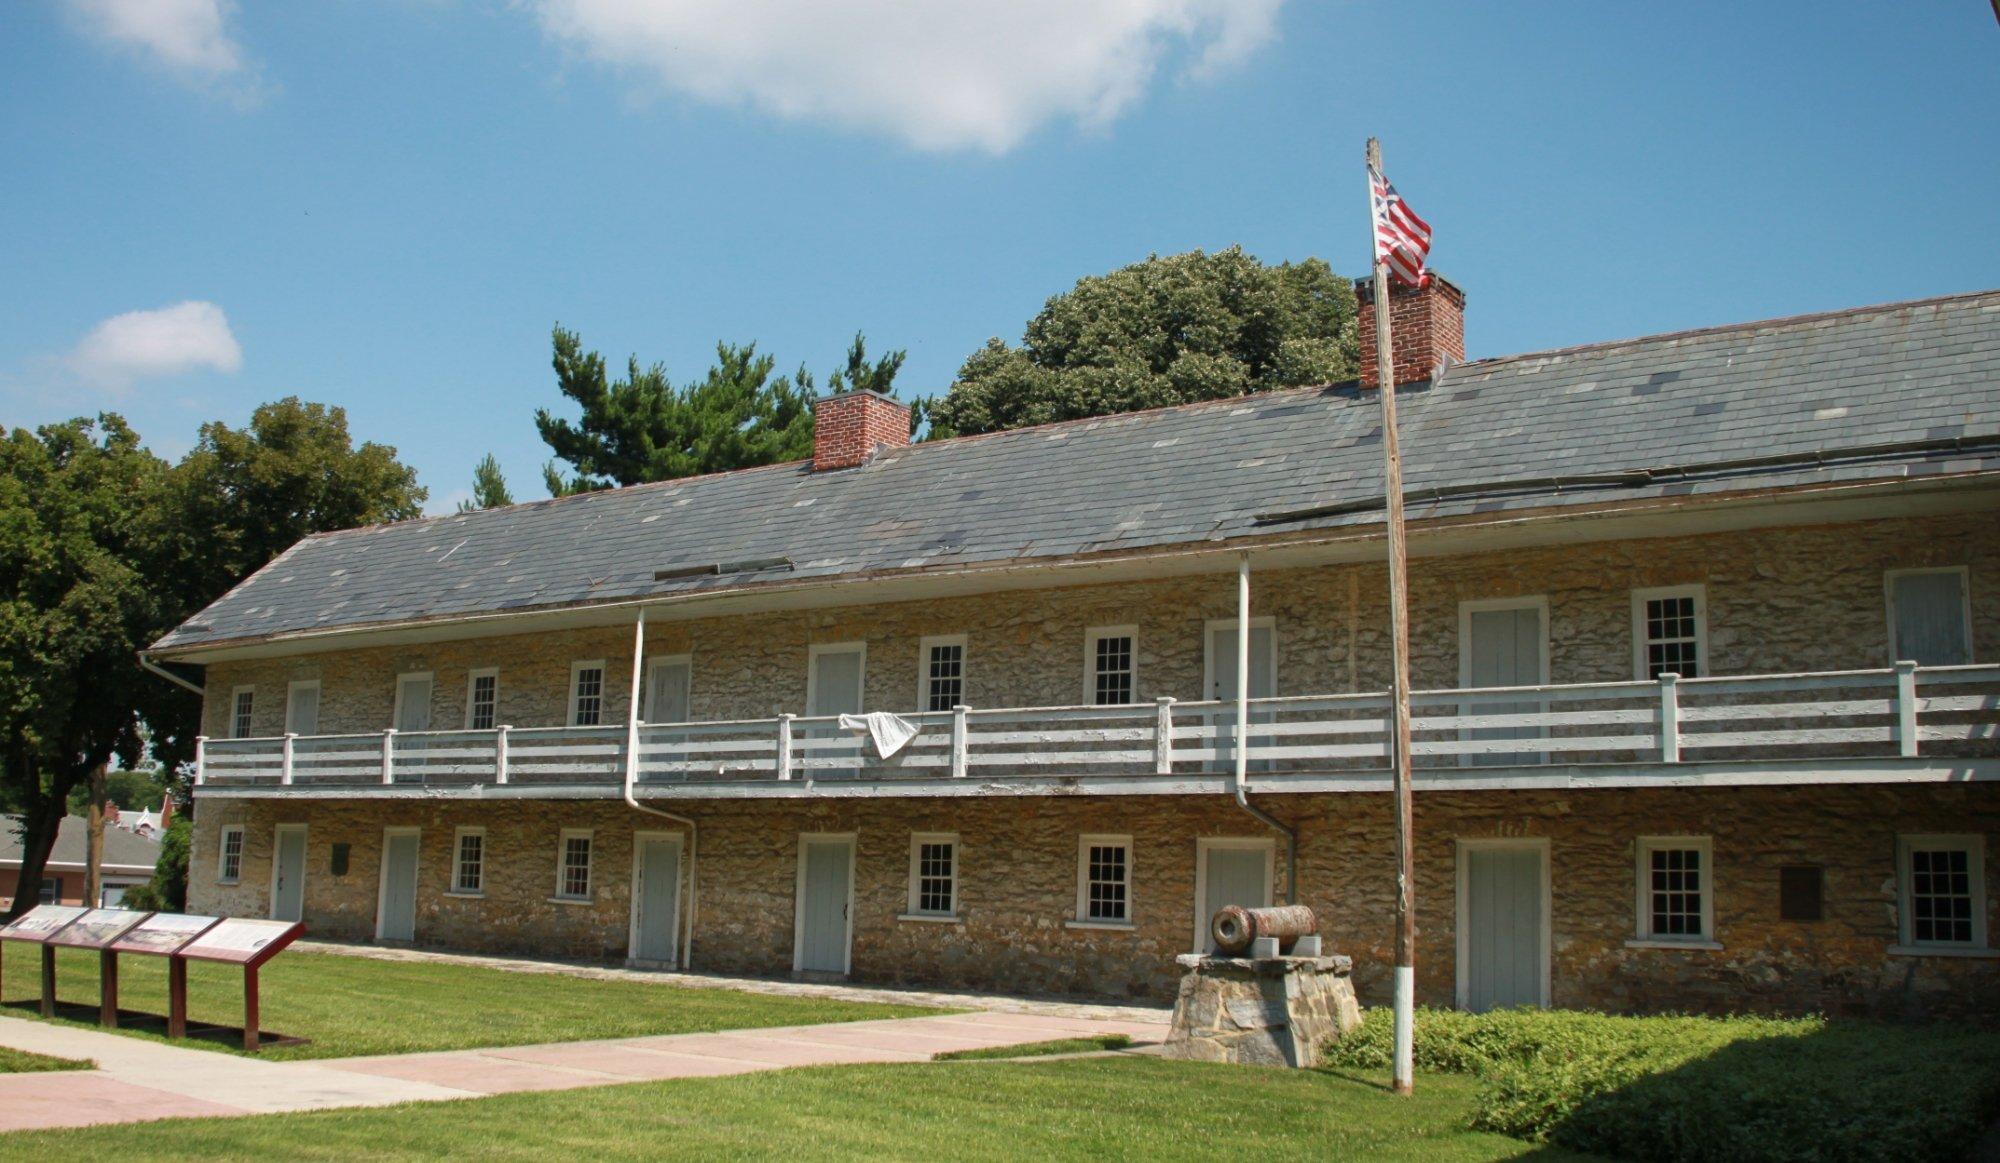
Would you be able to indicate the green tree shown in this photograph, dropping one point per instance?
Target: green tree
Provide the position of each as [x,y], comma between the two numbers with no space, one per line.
[80,563]
[129,790]
[244,495]
[489,488]
[1164,331]
[643,428]
[167,891]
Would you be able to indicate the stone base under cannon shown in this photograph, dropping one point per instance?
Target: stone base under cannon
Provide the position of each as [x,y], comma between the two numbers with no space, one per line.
[1264,1011]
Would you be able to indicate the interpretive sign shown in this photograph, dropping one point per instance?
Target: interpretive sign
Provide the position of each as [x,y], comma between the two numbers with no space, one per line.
[162,933]
[41,922]
[98,928]
[242,941]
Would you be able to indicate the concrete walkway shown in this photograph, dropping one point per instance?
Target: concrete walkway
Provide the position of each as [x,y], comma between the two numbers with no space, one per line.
[138,1079]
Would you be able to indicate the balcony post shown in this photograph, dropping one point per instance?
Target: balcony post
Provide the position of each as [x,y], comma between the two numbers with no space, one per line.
[285,764]
[389,755]
[785,746]
[200,760]
[500,753]
[1670,717]
[958,741]
[1906,707]
[1163,735]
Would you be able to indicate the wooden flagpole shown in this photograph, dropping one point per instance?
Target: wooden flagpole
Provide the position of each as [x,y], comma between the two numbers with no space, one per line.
[1399,624]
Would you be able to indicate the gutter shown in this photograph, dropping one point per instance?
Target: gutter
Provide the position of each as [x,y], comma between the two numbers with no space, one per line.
[686,942]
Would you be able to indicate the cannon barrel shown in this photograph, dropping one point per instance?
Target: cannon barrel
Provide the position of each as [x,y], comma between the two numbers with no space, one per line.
[1234,926]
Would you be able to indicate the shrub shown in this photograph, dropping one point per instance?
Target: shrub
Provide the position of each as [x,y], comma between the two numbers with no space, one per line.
[1709,1088]
[167,891]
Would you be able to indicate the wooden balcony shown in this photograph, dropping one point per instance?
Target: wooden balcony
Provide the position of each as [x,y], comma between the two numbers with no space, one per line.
[1899,724]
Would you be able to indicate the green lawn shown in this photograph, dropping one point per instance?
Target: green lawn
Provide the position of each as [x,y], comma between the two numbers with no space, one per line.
[22,1062]
[360,1005]
[1088,1045]
[1126,1107]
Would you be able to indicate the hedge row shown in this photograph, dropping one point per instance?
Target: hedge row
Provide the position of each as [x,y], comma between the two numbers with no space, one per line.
[1689,1088]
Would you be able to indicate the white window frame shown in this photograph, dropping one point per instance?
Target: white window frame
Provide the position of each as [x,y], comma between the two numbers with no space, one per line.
[405,679]
[1643,870]
[241,724]
[653,663]
[915,912]
[924,647]
[1964,573]
[576,670]
[1092,635]
[458,836]
[1640,640]
[589,835]
[1974,846]
[472,678]
[292,690]
[223,875]
[1082,919]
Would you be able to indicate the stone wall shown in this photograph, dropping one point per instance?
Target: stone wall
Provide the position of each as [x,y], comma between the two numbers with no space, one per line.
[1792,599]
[1018,869]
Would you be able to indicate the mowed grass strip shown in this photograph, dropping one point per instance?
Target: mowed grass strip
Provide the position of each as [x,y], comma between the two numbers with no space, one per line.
[22,1062]
[1126,1107]
[359,1005]
[1087,1045]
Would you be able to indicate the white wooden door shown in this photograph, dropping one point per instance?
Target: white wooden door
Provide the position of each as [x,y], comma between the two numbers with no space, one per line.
[302,709]
[656,903]
[396,915]
[1231,873]
[1503,929]
[413,702]
[1503,645]
[1221,671]
[826,868]
[667,689]
[288,874]
[834,688]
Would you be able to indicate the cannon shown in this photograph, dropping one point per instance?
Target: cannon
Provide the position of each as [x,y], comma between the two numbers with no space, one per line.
[1235,927]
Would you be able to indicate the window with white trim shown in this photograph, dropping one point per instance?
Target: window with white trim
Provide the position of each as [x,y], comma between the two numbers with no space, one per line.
[1104,879]
[934,874]
[51,890]
[482,699]
[229,868]
[1670,632]
[468,875]
[1930,616]
[573,865]
[242,703]
[1675,894]
[586,693]
[1943,881]
[1111,675]
[943,659]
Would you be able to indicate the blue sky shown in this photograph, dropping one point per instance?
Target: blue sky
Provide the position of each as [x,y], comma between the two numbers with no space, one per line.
[386,204]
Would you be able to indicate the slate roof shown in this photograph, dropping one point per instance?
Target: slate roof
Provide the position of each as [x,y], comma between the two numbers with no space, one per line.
[1801,400]
[122,849]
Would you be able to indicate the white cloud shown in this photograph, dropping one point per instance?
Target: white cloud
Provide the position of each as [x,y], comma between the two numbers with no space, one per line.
[939,74]
[190,37]
[143,344]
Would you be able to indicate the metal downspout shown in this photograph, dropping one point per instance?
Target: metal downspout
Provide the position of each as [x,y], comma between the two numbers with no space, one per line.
[1242,780]
[632,783]
[146,661]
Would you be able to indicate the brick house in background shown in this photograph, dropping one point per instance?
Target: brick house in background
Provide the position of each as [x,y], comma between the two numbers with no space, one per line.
[128,860]
[1704,633]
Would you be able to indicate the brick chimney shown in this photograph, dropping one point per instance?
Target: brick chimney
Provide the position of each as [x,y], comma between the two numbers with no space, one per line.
[1427,326]
[848,428]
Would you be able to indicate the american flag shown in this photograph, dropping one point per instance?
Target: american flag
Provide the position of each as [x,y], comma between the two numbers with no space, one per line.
[1402,239]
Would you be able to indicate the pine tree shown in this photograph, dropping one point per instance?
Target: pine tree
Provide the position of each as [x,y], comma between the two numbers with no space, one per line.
[489,487]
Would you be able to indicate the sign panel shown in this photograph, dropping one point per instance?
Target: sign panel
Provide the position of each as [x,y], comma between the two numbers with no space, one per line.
[99,928]
[242,940]
[41,922]
[162,933]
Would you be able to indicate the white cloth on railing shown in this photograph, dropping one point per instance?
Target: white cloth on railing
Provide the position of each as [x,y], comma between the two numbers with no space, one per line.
[888,732]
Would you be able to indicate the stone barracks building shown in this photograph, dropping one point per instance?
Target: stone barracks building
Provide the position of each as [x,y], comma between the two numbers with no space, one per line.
[1706,648]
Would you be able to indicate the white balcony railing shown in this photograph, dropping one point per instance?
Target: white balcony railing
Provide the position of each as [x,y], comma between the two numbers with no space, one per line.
[1903,711]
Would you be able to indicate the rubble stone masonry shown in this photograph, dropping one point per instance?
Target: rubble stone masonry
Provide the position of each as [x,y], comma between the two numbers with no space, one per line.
[1018,878]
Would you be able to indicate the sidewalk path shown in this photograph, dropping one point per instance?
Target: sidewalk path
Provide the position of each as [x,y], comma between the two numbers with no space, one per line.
[138,1079]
